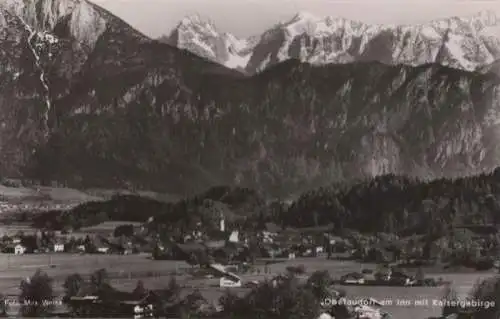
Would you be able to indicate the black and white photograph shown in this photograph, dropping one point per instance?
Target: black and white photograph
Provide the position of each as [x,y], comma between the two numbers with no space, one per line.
[250,159]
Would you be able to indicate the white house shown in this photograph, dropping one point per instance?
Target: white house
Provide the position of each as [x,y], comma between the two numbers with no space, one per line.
[58,247]
[229,281]
[234,237]
[103,250]
[19,249]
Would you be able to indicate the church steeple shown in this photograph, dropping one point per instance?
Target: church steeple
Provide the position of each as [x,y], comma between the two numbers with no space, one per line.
[222,223]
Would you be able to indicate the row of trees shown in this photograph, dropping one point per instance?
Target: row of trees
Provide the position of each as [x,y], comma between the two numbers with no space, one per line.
[283,297]
[286,298]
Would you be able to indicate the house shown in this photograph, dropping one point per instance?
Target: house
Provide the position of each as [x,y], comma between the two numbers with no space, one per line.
[101,245]
[58,247]
[81,248]
[234,237]
[228,279]
[353,279]
[103,250]
[19,249]
[229,282]
[369,308]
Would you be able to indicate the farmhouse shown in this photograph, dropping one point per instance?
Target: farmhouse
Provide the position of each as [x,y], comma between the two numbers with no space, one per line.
[103,250]
[100,245]
[19,249]
[58,247]
[228,279]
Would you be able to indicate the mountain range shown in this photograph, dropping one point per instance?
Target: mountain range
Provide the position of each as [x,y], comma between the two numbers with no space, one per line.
[88,101]
[467,43]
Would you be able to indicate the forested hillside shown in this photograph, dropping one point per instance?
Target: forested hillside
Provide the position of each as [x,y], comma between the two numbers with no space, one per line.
[389,203]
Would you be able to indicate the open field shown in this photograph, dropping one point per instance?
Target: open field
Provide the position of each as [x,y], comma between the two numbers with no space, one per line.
[107,226]
[15,199]
[45,193]
[14,268]
[65,194]
[14,229]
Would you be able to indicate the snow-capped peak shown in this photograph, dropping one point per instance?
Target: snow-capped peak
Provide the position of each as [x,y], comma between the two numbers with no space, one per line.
[461,42]
[200,36]
[202,25]
[304,16]
[465,43]
[486,17]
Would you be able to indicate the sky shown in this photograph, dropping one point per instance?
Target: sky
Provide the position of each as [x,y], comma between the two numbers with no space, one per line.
[251,17]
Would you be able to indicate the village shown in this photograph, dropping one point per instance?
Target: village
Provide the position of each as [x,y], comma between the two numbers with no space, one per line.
[223,259]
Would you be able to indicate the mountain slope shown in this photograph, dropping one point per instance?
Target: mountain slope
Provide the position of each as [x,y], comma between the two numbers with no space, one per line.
[291,127]
[52,50]
[126,111]
[202,38]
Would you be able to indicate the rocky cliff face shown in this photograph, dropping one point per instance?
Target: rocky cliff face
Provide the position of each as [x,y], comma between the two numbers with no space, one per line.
[89,101]
[51,49]
[292,127]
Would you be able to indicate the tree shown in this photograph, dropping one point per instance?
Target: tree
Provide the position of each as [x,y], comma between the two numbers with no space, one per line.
[4,307]
[420,276]
[36,295]
[284,297]
[124,230]
[140,290]
[72,286]
[487,291]
[193,259]
[157,252]
[191,303]
[450,295]
[171,296]
[319,282]
[99,281]
[89,245]
[174,289]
